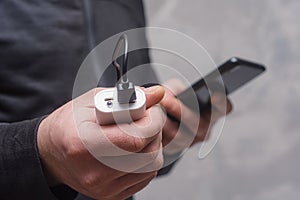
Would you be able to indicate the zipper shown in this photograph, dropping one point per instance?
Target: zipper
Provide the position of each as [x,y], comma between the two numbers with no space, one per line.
[90,22]
[91,39]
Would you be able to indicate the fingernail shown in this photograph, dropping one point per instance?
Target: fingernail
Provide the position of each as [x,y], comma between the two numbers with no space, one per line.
[153,89]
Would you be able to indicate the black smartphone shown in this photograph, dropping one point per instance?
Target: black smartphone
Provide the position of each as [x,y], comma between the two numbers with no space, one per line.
[235,73]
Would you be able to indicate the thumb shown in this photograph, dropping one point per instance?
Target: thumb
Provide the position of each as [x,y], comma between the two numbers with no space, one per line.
[154,95]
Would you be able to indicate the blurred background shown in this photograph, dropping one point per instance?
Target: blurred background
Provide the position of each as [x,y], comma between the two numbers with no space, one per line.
[257,156]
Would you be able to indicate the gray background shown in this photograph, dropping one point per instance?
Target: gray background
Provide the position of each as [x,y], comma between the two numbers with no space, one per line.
[257,156]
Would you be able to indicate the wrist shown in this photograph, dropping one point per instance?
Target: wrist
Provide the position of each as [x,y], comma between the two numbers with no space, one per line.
[44,149]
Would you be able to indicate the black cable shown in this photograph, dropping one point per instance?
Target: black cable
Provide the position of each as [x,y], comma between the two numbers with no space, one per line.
[122,40]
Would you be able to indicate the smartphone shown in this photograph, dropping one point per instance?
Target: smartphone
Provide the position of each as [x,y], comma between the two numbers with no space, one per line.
[235,73]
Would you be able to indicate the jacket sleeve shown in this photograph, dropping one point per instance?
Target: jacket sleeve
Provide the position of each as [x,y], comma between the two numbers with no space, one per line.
[21,172]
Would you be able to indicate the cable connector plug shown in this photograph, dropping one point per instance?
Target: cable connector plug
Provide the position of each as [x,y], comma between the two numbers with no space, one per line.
[126,92]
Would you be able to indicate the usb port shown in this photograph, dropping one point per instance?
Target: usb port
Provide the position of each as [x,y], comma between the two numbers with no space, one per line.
[109,99]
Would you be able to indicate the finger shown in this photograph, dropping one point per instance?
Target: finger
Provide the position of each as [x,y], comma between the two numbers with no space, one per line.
[170,130]
[221,106]
[112,140]
[197,126]
[181,112]
[141,132]
[176,138]
[176,133]
[134,189]
[181,137]
[172,105]
[128,180]
[229,107]
[91,169]
[112,145]
[154,95]
[149,159]
[221,103]
[202,135]
[157,161]
[145,161]
[174,86]
[117,186]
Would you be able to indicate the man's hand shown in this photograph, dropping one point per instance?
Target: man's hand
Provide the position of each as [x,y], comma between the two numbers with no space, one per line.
[67,161]
[188,135]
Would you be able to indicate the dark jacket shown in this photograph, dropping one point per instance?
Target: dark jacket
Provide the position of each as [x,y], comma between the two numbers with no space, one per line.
[42,45]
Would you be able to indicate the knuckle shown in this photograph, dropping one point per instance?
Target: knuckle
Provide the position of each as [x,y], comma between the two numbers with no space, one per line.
[130,143]
[94,185]
[153,149]
[138,144]
[74,147]
[89,182]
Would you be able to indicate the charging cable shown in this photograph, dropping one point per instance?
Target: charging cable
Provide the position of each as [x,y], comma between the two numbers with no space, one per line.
[125,88]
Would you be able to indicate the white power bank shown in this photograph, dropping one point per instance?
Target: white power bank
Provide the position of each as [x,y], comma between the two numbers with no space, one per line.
[110,111]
